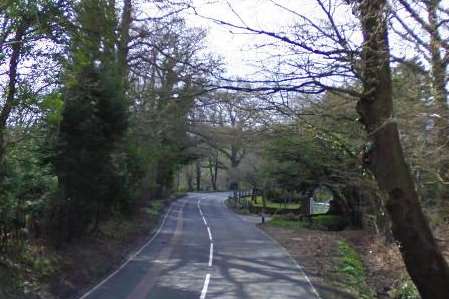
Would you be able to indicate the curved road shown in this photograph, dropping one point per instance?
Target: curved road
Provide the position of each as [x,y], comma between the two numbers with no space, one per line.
[204,250]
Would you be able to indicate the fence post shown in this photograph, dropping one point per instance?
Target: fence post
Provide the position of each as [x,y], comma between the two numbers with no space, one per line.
[307,207]
[311,206]
[238,198]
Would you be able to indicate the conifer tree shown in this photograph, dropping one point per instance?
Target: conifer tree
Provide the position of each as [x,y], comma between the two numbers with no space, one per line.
[94,121]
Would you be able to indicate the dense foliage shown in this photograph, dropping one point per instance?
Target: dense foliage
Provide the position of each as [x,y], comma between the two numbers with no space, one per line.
[96,126]
[103,108]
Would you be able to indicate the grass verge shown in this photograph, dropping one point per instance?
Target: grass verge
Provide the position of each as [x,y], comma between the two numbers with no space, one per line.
[350,271]
[238,210]
[320,222]
[405,290]
[275,205]
[286,223]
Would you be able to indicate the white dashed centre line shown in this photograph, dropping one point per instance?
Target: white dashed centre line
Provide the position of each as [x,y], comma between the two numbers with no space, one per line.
[206,285]
[210,234]
[211,254]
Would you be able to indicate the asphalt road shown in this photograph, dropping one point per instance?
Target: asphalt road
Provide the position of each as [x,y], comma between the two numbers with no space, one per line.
[204,250]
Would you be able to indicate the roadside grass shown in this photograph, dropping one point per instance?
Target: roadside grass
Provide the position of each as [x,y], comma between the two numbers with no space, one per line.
[330,222]
[357,263]
[319,222]
[287,223]
[350,271]
[405,290]
[241,210]
[275,205]
[155,207]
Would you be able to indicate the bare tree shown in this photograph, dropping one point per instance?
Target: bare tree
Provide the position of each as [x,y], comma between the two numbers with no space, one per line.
[321,56]
[21,33]
[424,25]
[227,125]
[384,156]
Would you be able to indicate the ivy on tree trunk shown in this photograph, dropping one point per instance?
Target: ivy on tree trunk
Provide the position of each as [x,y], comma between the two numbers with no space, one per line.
[385,158]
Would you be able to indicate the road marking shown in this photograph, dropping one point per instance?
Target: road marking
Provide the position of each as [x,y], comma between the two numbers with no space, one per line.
[314,291]
[206,285]
[199,208]
[130,259]
[210,235]
[148,280]
[211,254]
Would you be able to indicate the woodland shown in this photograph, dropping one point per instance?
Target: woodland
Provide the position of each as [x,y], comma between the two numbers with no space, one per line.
[108,106]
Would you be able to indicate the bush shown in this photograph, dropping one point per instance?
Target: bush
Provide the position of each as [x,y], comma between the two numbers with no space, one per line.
[321,222]
[330,222]
[274,195]
[352,271]
[406,290]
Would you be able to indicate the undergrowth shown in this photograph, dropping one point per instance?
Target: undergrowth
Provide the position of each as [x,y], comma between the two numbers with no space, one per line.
[406,290]
[321,222]
[25,273]
[351,271]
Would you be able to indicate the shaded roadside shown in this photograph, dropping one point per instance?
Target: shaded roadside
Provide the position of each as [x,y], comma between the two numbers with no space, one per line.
[347,264]
[84,264]
[316,252]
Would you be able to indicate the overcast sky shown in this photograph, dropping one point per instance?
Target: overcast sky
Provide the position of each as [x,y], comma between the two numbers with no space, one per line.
[240,51]
[237,49]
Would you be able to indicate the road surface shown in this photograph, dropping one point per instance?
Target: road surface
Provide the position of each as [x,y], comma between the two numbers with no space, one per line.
[204,250]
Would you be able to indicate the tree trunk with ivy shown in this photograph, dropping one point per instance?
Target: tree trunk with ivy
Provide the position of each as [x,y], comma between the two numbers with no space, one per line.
[385,158]
[7,108]
[439,67]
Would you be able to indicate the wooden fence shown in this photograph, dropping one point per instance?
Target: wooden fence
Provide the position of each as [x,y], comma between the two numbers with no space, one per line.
[309,207]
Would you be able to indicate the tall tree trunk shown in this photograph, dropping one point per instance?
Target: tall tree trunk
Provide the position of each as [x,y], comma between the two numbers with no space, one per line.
[213,170]
[11,92]
[215,174]
[189,178]
[235,161]
[438,65]
[384,155]
[439,92]
[198,175]
[123,40]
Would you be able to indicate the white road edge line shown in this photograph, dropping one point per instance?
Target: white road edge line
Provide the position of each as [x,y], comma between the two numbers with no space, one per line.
[130,258]
[206,285]
[211,254]
[314,291]
[199,208]
[204,220]
[210,234]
